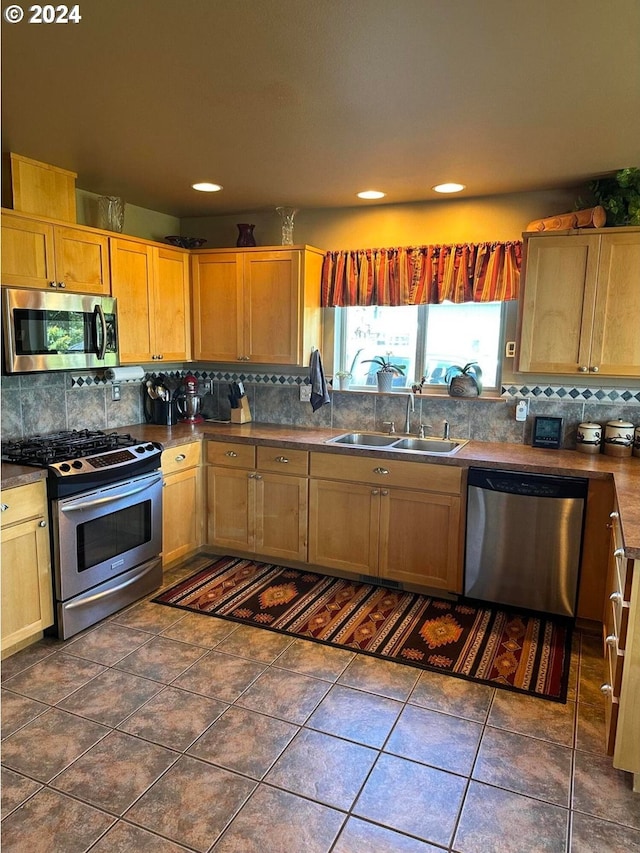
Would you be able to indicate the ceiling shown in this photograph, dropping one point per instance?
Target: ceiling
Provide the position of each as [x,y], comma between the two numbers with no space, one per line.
[306,102]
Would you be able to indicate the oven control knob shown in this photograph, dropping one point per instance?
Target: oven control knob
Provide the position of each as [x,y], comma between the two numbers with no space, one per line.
[65,466]
[140,449]
[150,447]
[76,464]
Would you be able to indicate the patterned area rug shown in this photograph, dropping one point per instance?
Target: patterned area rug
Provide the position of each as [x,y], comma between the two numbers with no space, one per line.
[529,653]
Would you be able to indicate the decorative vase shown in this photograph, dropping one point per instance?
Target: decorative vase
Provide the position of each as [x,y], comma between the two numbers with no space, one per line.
[287,215]
[463,386]
[111,213]
[245,235]
[385,380]
[343,382]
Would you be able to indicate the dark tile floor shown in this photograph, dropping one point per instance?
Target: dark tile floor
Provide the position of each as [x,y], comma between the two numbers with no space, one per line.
[163,731]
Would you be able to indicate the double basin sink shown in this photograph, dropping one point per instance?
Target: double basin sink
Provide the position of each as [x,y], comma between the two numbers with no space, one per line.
[375,441]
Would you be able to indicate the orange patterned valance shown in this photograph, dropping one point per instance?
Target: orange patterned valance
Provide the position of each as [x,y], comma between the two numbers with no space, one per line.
[416,275]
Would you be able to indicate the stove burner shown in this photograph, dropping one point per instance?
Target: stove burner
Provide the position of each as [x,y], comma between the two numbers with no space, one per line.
[60,446]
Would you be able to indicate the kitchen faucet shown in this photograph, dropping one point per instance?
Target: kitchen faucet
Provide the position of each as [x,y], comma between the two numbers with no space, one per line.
[411,407]
[445,432]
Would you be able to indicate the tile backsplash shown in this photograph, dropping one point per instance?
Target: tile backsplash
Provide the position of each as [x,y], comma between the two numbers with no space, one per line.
[42,403]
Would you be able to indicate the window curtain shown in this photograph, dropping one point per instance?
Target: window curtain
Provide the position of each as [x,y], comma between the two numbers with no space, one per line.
[466,272]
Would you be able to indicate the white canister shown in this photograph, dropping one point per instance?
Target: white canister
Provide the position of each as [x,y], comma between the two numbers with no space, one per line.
[618,438]
[589,437]
[636,442]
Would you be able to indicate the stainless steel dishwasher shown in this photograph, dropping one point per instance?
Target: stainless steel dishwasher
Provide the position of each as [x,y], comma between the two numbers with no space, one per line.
[524,539]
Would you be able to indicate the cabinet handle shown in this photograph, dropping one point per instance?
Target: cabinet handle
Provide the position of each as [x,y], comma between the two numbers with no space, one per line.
[611,640]
[180,457]
[614,514]
[258,476]
[384,492]
[160,357]
[282,459]
[231,453]
[607,689]
[595,369]
[619,552]
[380,470]
[616,597]
[42,524]
[61,284]
[251,476]
[583,368]
[4,507]
[52,284]
[375,491]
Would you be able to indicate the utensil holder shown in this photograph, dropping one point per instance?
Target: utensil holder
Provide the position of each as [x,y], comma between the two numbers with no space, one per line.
[241,415]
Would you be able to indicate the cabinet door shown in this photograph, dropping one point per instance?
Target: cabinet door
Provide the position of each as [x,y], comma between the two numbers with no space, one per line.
[170,305]
[131,272]
[181,514]
[281,516]
[420,539]
[28,258]
[27,591]
[343,526]
[230,517]
[82,260]
[558,304]
[272,320]
[217,320]
[616,328]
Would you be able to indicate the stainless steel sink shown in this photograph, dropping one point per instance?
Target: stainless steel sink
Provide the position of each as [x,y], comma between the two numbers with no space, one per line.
[430,445]
[375,441]
[363,439]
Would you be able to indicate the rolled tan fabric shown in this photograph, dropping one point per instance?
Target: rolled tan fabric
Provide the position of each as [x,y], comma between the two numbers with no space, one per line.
[591,217]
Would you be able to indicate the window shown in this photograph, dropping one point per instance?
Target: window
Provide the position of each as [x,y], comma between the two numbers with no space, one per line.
[423,339]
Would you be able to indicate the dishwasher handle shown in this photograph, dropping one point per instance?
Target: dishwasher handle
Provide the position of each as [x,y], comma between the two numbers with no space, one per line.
[528,485]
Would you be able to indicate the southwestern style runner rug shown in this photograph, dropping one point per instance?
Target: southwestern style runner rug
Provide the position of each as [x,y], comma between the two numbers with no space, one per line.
[528,653]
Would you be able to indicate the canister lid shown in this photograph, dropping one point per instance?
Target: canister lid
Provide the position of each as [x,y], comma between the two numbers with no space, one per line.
[589,425]
[620,424]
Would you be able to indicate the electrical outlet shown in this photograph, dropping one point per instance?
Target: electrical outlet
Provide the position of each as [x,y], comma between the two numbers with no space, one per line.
[305,393]
[115,393]
[522,410]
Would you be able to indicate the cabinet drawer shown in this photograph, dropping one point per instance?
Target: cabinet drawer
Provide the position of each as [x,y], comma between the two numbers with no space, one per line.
[411,475]
[614,663]
[231,454]
[181,457]
[611,708]
[23,502]
[283,461]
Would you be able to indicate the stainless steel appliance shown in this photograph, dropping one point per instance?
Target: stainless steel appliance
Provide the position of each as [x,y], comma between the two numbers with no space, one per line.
[46,330]
[524,538]
[189,401]
[105,494]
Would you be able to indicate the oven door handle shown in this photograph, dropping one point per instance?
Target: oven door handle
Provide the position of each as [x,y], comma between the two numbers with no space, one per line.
[82,602]
[77,507]
[100,324]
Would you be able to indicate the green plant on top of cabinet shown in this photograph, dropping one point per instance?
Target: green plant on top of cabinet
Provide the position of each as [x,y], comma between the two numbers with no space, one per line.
[40,253]
[151,284]
[580,304]
[260,306]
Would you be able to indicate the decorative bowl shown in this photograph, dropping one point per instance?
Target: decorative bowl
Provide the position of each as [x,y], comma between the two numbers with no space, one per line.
[186,242]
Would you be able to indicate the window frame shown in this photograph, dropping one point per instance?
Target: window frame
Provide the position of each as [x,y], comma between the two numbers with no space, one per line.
[340,345]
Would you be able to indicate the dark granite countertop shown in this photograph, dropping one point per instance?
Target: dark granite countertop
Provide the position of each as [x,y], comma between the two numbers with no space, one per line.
[625,472]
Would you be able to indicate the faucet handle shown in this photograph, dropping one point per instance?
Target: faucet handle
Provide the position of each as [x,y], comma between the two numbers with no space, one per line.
[391,425]
[445,431]
[421,430]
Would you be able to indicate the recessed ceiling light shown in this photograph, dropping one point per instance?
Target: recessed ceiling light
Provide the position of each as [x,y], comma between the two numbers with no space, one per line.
[206,187]
[371,194]
[449,188]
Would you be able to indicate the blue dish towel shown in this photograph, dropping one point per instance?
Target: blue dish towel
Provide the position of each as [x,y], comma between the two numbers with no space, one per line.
[319,391]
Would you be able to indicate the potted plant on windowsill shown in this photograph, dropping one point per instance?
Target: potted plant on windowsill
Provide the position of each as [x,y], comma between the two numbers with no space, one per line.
[388,371]
[343,378]
[464,381]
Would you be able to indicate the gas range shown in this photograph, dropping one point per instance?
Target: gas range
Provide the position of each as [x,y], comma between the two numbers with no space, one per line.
[80,459]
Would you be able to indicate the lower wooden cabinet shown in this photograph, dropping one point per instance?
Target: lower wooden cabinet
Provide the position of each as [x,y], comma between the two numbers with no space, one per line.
[182,500]
[27,590]
[379,528]
[255,509]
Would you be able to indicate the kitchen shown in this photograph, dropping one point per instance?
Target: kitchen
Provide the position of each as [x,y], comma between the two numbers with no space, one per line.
[85,400]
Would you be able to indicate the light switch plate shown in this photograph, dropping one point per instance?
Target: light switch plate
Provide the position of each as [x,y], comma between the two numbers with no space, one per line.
[305,393]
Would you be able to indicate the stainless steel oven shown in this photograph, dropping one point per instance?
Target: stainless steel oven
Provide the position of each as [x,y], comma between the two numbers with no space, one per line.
[105,504]
[105,544]
[46,330]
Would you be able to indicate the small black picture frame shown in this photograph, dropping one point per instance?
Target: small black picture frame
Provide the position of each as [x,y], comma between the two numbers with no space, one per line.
[547,432]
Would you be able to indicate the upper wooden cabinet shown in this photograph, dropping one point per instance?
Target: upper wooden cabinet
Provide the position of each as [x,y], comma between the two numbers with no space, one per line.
[151,284]
[580,306]
[41,254]
[257,305]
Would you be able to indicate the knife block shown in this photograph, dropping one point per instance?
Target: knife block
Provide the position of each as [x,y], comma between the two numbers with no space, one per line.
[241,415]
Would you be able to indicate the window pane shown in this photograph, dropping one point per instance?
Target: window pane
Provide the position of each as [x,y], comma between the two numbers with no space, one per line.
[458,334]
[379,330]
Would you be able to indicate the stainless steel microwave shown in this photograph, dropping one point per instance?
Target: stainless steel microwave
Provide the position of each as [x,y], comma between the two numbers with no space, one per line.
[43,330]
